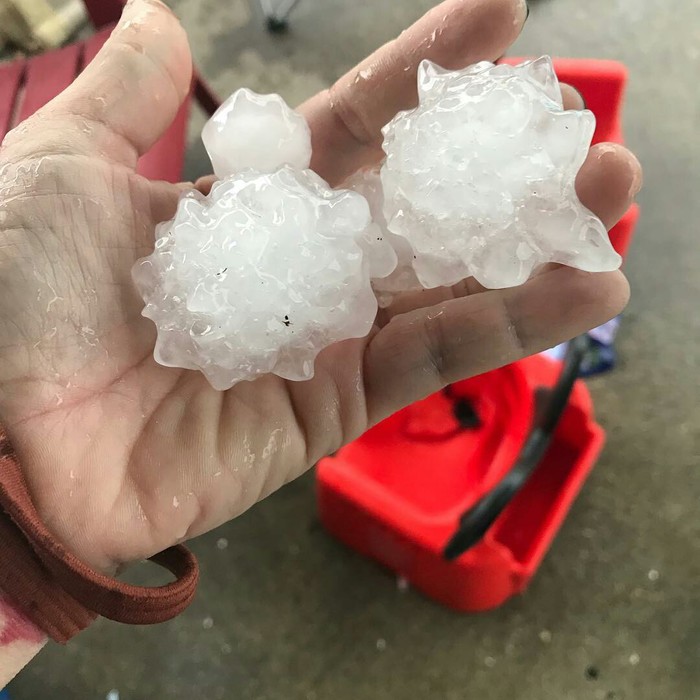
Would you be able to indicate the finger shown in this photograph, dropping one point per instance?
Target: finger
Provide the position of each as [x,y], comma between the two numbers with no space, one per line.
[571,97]
[608,181]
[129,94]
[204,183]
[420,352]
[164,197]
[346,120]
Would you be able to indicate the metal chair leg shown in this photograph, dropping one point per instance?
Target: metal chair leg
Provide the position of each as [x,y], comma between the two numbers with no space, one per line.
[278,17]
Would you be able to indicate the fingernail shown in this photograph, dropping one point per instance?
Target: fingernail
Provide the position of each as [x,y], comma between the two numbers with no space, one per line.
[516,19]
[638,181]
[583,99]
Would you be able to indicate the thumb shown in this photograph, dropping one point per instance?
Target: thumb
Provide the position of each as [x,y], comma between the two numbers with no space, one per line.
[130,93]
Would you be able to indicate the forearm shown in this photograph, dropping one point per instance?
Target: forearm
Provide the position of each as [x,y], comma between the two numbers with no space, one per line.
[20,641]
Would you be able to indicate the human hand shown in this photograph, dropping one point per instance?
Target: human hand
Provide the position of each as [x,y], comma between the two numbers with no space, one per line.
[124,457]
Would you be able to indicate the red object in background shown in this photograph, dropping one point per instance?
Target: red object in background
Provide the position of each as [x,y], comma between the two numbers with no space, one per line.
[397,493]
[27,84]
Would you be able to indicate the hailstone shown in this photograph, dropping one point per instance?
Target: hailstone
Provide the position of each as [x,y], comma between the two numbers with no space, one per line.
[388,246]
[256,131]
[268,269]
[479,178]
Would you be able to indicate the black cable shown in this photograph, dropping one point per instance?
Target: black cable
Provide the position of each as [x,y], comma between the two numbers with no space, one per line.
[476,521]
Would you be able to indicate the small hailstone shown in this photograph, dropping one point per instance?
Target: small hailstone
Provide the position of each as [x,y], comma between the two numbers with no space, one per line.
[545,636]
[256,131]
[634,659]
[489,661]
[653,575]
[480,177]
[222,543]
[381,644]
[207,623]
[113,695]
[267,270]
[402,584]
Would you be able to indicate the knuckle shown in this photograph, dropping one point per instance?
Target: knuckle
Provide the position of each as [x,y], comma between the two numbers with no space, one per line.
[350,116]
[436,343]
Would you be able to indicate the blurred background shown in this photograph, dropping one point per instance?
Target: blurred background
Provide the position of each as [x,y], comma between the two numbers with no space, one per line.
[286,613]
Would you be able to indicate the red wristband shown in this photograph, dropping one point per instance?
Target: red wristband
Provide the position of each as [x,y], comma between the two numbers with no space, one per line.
[56,591]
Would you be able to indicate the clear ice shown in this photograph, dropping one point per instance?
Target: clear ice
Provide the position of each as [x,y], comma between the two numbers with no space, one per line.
[273,265]
[388,246]
[480,177]
[269,268]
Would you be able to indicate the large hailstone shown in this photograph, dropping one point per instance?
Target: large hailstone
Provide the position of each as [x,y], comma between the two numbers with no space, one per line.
[479,178]
[269,268]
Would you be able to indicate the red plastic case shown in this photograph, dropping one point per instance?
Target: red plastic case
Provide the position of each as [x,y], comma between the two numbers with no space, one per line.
[396,493]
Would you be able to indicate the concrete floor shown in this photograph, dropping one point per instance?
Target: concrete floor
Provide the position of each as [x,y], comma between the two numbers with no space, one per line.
[286,613]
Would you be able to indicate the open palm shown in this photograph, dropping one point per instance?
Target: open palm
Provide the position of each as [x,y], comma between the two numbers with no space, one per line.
[124,457]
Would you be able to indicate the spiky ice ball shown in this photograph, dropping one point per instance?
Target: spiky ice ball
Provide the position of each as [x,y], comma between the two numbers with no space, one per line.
[480,177]
[267,270]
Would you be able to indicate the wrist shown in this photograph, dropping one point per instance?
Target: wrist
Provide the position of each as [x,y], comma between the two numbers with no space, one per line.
[20,639]
[15,626]
[58,491]
[61,593]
